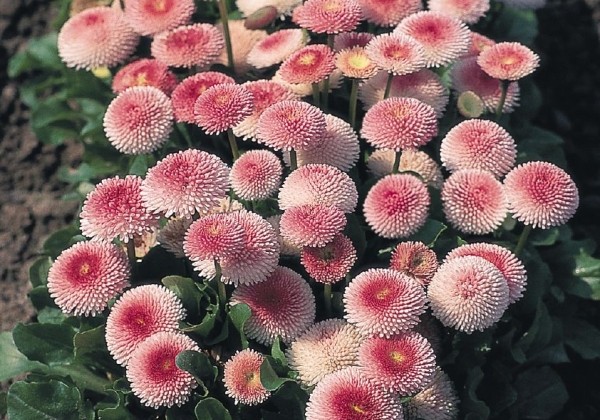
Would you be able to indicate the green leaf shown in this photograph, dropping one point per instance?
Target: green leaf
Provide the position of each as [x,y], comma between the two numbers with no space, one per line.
[40,298]
[90,341]
[539,333]
[239,314]
[542,393]
[268,377]
[13,362]
[516,25]
[199,366]
[50,315]
[277,353]
[49,400]
[429,233]
[59,241]
[186,290]
[138,165]
[582,337]
[38,272]
[211,409]
[3,406]
[41,53]
[83,173]
[116,410]
[356,233]
[472,405]
[46,343]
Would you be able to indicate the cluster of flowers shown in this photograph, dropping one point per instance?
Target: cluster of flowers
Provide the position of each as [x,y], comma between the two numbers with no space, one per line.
[386,344]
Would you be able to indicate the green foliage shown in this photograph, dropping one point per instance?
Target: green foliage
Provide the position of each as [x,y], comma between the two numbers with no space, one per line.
[48,400]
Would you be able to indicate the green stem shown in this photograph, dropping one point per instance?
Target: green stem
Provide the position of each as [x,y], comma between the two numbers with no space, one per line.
[325,94]
[293,160]
[388,86]
[396,162]
[523,239]
[227,36]
[235,152]
[82,377]
[220,284]
[503,92]
[315,92]
[327,298]
[131,251]
[353,102]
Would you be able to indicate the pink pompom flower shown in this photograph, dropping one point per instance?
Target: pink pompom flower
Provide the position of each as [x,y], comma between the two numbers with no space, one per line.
[479,144]
[397,206]
[509,265]
[276,47]
[145,72]
[328,16]
[383,302]
[310,64]
[288,125]
[222,107]
[154,376]
[474,201]
[388,12]
[282,306]
[213,237]
[468,293]
[403,363]
[318,184]
[241,376]
[189,90]
[468,11]
[139,120]
[399,123]
[149,17]
[187,46]
[438,400]
[256,175]
[330,263]
[185,183]
[311,224]
[396,53]
[86,276]
[541,194]
[415,260]
[348,394]
[443,37]
[355,63]
[508,61]
[96,37]
[140,313]
[381,163]
[114,209]
[348,40]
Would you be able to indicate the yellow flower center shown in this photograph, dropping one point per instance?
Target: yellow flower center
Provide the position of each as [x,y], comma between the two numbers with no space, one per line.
[358,409]
[397,357]
[382,294]
[84,269]
[359,61]
[307,59]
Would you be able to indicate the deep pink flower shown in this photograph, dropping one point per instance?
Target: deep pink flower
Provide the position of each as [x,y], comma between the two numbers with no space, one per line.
[256,175]
[213,237]
[311,224]
[145,72]
[328,16]
[222,107]
[149,17]
[187,46]
[508,61]
[330,263]
[86,276]
[416,260]
[282,306]
[310,64]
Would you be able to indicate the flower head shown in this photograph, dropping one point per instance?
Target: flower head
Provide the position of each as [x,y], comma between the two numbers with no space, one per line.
[509,265]
[114,209]
[149,17]
[326,347]
[330,263]
[443,37]
[478,44]
[222,107]
[355,63]
[282,306]
[286,247]
[140,313]
[474,201]
[381,163]
[388,12]
[424,85]
[243,41]
[318,184]
[96,37]
[396,53]
[256,175]
[468,11]
[397,206]
[187,46]
[328,16]
[290,125]
[242,378]
[415,260]
[479,144]
[348,394]
[347,40]
[508,61]
[276,47]
[468,293]
[186,182]
[541,194]
[255,261]
[310,64]
[189,90]
[139,120]
[438,401]
[145,72]
[155,377]
[403,363]
[264,94]
[86,276]
[383,302]
[212,237]
[311,224]
[399,123]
